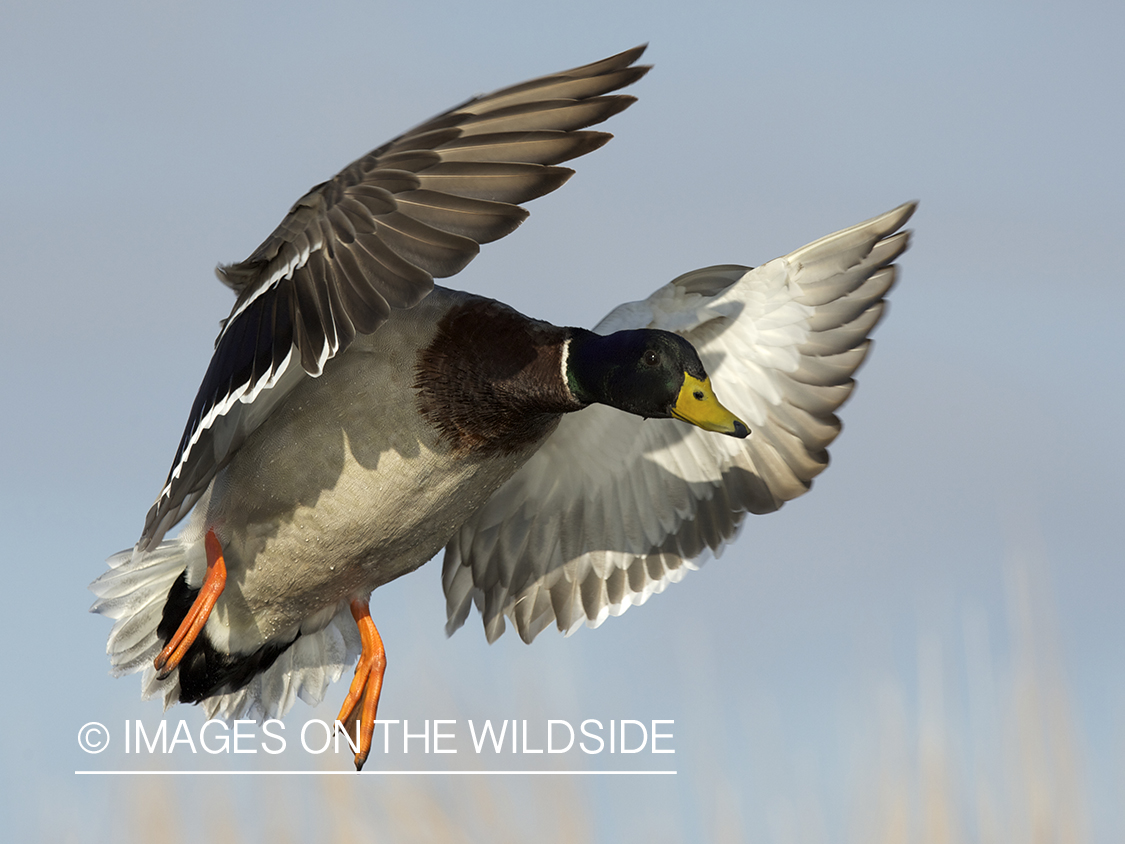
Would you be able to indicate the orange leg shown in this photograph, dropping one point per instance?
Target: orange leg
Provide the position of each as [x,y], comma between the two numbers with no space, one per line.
[363,696]
[196,617]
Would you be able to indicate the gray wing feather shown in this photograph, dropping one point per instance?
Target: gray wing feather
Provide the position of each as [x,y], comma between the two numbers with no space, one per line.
[373,239]
[613,508]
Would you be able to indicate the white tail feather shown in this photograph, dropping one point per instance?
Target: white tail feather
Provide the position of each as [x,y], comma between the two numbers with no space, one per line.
[134,591]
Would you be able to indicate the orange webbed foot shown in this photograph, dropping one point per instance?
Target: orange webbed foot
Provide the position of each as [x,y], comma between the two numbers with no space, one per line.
[363,696]
[189,629]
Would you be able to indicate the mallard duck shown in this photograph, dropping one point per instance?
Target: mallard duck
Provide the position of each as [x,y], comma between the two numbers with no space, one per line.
[355,419]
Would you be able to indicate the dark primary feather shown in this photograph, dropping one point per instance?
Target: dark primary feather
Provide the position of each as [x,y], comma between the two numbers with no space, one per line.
[374,238]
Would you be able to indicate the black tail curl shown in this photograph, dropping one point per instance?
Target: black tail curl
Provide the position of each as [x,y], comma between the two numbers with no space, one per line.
[206,671]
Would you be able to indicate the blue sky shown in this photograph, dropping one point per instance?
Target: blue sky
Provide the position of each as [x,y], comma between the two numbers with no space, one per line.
[145,142]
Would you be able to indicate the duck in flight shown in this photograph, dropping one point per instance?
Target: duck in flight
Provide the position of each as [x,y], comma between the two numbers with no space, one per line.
[356,419]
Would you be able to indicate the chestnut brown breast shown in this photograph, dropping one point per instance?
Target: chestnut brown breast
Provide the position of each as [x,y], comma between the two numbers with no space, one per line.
[491,381]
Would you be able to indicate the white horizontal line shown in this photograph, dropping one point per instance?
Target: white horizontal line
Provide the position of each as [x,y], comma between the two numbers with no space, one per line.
[378,773]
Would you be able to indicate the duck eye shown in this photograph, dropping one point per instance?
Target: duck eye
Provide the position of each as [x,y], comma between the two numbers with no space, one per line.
[698,395]
[652,358]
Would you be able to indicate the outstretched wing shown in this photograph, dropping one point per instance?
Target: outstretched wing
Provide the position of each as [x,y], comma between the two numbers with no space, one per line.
[374,238]
[612,508]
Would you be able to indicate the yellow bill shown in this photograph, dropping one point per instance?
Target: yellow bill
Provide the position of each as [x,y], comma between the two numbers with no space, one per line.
[697,404]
